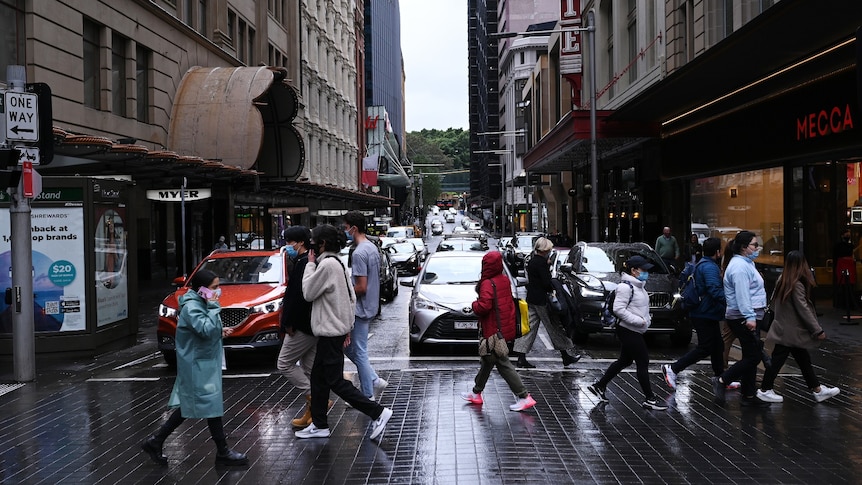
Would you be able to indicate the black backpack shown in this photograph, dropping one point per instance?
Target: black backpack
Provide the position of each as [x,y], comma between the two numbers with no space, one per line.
[609,319]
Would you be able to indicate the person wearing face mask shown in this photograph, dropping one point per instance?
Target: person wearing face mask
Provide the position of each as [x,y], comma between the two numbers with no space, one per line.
[197,390]
[365,274]
[631,306]
[746,304]
[299,343]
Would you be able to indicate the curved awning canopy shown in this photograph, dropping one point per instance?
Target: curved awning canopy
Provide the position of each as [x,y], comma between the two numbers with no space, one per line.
[241,117]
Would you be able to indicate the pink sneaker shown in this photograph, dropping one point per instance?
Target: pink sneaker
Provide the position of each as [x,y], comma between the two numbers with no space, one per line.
[472,397]
[523,403]
[733,385]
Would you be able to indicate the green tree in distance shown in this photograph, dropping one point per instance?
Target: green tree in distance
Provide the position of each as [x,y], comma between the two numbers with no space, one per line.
[446,150]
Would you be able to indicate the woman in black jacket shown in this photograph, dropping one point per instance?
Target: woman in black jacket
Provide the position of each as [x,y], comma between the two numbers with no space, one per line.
[538,287]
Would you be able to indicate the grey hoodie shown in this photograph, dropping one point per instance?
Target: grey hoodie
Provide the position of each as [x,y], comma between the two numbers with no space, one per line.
[324,283]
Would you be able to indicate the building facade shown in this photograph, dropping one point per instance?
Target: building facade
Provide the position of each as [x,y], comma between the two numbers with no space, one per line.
[258,102]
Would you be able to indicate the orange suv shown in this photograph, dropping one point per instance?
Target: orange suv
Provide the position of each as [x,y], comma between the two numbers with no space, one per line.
[252,286]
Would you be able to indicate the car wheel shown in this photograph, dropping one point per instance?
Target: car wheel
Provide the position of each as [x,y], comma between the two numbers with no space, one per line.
[681,336]
[170,358]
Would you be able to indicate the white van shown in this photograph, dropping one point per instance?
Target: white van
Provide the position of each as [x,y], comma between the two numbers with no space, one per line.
[702,231]
[400,232]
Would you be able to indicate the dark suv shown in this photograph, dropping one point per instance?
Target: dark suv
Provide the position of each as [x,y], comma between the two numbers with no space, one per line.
[593,269]
[518,248]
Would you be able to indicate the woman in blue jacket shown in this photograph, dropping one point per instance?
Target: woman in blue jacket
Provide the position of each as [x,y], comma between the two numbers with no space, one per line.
[197,390]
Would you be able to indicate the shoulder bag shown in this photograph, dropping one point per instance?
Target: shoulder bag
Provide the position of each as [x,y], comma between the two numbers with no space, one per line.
[495,344]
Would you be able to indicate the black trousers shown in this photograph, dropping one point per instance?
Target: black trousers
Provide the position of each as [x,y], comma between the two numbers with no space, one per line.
[327,374]
[745,370]
[632,349]
[779,357]
[709,343]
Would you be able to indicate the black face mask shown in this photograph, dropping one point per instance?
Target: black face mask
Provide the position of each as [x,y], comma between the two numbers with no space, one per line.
[314,246]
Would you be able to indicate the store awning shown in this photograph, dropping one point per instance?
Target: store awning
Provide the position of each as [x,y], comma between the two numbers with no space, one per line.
[785,33]
[240,116]
[568,144]
[326,192]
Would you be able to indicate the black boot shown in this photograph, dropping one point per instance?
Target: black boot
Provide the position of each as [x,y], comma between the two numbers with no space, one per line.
[153,447]
[522,362]
[569,359]
[226,456]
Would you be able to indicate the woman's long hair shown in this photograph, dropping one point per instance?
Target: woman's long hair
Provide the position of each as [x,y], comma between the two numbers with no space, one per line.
[795,269]
[334,239]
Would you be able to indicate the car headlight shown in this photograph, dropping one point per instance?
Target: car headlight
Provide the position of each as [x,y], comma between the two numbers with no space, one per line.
[590,293]
[268,307]
[166,311]
[422,303]
[411,259]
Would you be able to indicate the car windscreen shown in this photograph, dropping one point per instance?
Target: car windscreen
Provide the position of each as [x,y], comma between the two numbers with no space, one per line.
[241,270]
[621,254]
[526,242]
[452,271]
[403,248]
[595,260]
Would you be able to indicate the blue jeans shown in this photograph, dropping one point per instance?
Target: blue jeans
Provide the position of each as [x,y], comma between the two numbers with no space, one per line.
[357,352]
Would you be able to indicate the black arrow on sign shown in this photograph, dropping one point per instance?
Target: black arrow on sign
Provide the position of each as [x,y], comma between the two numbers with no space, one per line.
[15,130]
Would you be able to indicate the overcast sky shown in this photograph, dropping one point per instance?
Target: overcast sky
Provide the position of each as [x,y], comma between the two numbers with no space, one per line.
[434,46]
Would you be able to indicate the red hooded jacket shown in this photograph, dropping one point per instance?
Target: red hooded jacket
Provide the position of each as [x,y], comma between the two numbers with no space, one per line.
[492,270]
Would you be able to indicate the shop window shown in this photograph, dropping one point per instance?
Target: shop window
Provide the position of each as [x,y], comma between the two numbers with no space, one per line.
[12,25]
[752,201]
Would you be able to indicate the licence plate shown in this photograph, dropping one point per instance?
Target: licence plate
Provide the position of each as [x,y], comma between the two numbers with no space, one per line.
[471,325]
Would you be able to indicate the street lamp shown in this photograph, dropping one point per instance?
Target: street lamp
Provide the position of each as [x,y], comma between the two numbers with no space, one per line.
[590,29]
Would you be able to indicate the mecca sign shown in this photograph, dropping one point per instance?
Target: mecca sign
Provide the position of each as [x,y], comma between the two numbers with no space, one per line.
[22,116]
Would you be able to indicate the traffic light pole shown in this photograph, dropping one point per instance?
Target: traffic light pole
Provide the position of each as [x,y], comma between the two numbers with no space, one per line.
[23,331]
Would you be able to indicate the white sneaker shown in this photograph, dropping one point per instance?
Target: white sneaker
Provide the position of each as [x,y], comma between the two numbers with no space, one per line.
[669,376]
[825,393]
[380,423]
[380,384]
[312,431]
[769,396]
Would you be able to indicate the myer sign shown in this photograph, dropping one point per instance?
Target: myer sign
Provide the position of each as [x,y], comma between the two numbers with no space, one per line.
[175,195]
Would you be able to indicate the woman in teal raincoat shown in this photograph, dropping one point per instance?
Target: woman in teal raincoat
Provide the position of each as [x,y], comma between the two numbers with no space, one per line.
[197,391]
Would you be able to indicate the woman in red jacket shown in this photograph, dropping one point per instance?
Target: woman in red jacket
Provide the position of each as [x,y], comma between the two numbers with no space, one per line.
[495,301]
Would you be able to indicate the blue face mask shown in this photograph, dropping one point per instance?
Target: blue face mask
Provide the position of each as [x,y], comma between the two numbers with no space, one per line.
[291,251]
[754,255]
[349,237]
[643,275]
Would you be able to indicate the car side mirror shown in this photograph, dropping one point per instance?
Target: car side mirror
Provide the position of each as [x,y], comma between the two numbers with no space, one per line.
[179,281]
[521,281]
[409,282]
[566,268]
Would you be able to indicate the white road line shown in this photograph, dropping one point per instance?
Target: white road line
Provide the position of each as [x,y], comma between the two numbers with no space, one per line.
[145,358]
[123,379]
[240,376]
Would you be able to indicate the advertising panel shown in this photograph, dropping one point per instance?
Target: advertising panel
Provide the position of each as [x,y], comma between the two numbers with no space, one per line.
[58,266]
[112,292]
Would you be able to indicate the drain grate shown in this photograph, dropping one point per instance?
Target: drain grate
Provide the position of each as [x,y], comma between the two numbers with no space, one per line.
[7,388]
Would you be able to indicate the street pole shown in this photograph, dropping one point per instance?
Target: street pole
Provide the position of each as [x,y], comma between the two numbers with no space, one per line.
[183,221]
[23,331]
[594,164]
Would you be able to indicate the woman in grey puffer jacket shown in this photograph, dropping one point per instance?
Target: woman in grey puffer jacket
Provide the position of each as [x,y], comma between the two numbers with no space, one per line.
[631,306]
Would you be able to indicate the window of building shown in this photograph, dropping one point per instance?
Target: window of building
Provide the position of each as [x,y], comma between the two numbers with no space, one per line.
[202,17]
[719,20]
[143,60]
[92,85]
[188,6]
[632,32]
[12,25]
[118,74]
[521,54]
[231,27]
[752,201]
[250,47]
[240,41]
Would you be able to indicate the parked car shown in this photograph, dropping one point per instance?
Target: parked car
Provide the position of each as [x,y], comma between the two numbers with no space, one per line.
[518,248]
[405,257]
[440,312]
[388,273]
[593,269]
[252,284]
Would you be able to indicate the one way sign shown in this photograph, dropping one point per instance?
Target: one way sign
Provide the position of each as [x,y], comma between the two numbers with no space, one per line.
[21,112]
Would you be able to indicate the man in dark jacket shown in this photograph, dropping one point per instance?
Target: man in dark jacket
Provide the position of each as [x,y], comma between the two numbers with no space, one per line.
[705,318]
[538,287]
[299,344]
[495,308]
